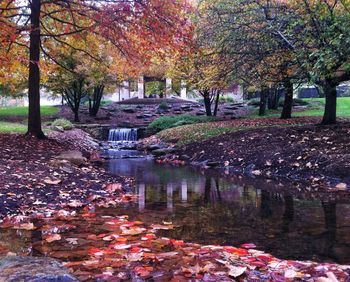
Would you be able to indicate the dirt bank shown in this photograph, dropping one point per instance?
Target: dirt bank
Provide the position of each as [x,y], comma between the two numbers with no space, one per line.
[316,154]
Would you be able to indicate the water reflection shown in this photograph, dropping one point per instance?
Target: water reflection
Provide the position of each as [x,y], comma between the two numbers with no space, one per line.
[211,210]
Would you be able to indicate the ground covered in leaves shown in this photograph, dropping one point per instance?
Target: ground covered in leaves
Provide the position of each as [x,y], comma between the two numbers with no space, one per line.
[312,153]
[31,179]
[98,246]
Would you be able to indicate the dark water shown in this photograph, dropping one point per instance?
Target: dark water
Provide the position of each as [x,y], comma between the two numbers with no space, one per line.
[211,210]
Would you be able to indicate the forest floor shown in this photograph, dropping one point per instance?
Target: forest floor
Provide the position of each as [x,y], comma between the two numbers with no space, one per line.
[297,149]
[31,178]
[66,214]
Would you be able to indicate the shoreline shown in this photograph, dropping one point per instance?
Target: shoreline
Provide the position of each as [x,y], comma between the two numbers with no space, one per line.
[292,154]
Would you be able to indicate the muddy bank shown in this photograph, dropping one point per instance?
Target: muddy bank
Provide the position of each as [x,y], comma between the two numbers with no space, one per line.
[316,155]
[50,174]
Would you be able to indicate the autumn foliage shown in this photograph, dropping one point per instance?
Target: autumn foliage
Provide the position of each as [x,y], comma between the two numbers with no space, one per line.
[135,29]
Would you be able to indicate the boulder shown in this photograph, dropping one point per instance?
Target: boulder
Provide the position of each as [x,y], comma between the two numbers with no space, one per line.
[74,157]
[33,269]
[213,164]
[129,110]
[147,115]
[62,165]
[228,113]
[186,107]
[164,151]
[57,128]
[153,147]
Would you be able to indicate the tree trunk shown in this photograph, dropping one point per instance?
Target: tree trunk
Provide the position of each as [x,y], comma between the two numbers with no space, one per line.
[330,111]
[95,103]
[263,98]
[34,116]
[273,99]
[76,116]
[288,100]
[216,103]
[207,103]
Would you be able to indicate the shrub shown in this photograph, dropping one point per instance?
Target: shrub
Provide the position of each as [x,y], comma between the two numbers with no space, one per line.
[296,102]
[226,99]
[169,122]
[65,124]
[163,105]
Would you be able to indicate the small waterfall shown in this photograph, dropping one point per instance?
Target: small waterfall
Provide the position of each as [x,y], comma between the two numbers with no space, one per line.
[122,134]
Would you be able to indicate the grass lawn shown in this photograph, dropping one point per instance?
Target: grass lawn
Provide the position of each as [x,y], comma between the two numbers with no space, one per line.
[343,107]
[316,108]
[23,111]
[195,132]
[11,127]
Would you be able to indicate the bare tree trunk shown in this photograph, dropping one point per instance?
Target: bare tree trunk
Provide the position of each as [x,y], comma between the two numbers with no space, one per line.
[330,111]
[34,117]
[288,100]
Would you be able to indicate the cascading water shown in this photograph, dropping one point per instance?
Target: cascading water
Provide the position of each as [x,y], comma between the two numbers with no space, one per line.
[122,134]
[122,144]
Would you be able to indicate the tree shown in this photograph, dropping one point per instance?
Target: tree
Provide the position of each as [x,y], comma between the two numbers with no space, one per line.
[321,40]
[246,31]
[206,72]
[133,27]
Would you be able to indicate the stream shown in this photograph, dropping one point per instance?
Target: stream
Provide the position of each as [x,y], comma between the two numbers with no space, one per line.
[210,209]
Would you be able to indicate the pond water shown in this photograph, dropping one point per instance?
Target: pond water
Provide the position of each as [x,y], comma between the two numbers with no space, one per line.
[209,209]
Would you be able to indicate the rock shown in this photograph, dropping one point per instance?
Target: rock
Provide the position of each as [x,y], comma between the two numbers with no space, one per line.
[213,164]
[186,107]
[96,158]
[200,114]
[33,269]
[228,113]
[185,157]
[62,165]
[164,151]
[103,118]
[147,115]
[129,110]
[139,116]
[74,157]
[57,128]
[153,147]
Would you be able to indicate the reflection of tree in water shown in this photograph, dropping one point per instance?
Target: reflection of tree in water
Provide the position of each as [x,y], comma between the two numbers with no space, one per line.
[265,208]
[329,236]
[288,215]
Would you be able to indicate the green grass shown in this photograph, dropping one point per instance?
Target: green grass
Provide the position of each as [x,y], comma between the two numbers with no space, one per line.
[163,123]
[11,127]
[343,107]
[197,132]
[23,111]
[315,108]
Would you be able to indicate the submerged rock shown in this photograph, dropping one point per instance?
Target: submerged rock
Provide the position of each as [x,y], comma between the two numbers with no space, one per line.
[33,269]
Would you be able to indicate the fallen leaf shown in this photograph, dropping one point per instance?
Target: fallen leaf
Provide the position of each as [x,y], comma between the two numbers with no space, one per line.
[53,237]
[236,271]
